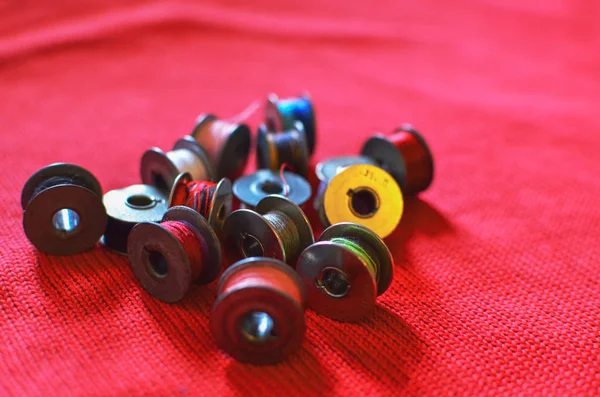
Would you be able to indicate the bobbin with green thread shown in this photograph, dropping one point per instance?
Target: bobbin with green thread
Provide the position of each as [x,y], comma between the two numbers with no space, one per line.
[345,271]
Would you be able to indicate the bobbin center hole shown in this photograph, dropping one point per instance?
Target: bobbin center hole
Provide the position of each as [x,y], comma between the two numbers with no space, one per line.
[333,282]
[251,246]
[65,221]
[364,203]
[157,263]
[271,187]
[140,201]
[258,327]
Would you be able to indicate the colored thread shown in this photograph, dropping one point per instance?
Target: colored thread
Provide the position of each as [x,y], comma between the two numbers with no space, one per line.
[197,196]
[213,135]
[287,231]
[419,166]
[286,186]
[189,240]
[186,160]
[292,109]
[245,114]
[286,147]
[359,252]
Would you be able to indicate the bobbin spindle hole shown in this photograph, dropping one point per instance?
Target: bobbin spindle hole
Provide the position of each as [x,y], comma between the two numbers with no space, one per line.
[271,187]
[65,222]
[364,202]
[333,282]
[157,263]
[140,201]
[159,181]
[251,246]
[258,328]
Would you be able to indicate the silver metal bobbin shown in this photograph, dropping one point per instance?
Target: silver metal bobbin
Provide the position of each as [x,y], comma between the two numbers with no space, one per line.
[278,229]
[250,189]
[289,147]
[159,169]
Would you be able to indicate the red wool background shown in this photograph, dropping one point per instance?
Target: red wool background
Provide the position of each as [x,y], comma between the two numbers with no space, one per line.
[497,266]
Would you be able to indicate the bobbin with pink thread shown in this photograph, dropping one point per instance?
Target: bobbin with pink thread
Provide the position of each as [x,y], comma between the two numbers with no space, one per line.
[168,257]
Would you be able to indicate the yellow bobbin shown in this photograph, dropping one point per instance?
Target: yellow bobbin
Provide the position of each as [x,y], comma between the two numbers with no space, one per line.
[367,195]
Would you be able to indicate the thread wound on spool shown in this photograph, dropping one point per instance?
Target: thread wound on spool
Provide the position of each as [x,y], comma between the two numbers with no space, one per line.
[417,158]
[286,230]
[359,251]
[187,237]
[285,147]
[197,196]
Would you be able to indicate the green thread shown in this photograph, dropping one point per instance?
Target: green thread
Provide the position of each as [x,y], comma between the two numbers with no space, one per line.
[359,251]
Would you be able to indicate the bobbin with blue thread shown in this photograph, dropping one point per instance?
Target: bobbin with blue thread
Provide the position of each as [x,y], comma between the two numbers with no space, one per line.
[405,154]
[280,115]
[159,169]
[220,200]
[326,170]
[277,229]
[227,144]
[258,316]
[345,271]
[126,208]
[250,189]
[160,261]
[274,149]
[63,210]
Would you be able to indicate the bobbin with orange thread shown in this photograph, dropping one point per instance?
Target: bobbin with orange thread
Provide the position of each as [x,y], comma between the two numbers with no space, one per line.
[227,144]
[281,115]
[258,316]
[164,263]
[277,229]
[63,209]
[159,169]
[273,149]
[364,194]
[405,155]
[250,189]
[214,207]
[345,271]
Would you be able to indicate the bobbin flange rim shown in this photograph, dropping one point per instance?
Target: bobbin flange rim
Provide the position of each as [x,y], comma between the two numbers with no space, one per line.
[123,216]
[410,129]
[387,156]
[363,235]
[201,120]
[156,163]
[189,143]
[295,213]
[248,189]
[232,307]
[274,117]
[245,224]
[263,152]
[325,170]
[59,170]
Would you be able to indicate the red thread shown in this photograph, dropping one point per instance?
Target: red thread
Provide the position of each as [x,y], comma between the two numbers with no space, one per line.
[286,186]
[190,241]
[419,164]
[197,195]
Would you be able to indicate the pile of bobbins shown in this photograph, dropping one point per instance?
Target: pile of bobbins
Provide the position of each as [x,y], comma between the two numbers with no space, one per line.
[178,228]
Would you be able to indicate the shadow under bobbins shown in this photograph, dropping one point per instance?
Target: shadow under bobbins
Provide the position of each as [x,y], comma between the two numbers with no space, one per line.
[258,316]
[64,213]
[159,169]
[405,155]
[227,144]
[250,189]
[281,115]
[345,271]
[277,229]
[168,257]
[126,208]
[289,147]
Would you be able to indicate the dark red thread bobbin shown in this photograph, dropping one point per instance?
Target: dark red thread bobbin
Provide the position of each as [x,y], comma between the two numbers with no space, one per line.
[258,316]
[405,155]
[168,257]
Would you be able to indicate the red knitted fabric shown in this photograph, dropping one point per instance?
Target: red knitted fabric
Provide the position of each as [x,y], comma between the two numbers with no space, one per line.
[496,288]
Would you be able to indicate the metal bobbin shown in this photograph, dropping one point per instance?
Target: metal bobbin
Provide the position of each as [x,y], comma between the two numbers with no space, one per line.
[345,271]
[227,144]
[250,189]
[159,169]
[326,170]
[286,147]
[278,229]
[405,155]
[280,115]
[220,202]
[159,261]
[63,210]
[126,208]
[364,194]
[258,316]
